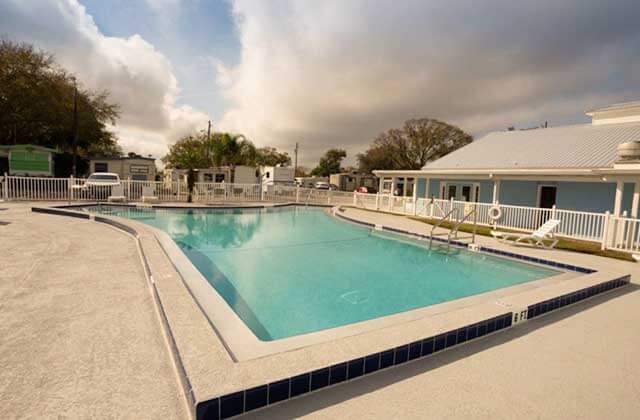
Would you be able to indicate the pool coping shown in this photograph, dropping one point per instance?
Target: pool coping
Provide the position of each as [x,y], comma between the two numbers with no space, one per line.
[242,343]
[262,382]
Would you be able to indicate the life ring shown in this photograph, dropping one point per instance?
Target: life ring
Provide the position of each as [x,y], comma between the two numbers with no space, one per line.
[495,213]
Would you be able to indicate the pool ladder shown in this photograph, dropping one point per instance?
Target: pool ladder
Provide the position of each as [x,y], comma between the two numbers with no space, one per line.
[453,232]
[306,200]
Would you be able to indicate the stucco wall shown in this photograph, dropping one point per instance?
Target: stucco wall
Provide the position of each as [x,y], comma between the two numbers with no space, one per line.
[519,193]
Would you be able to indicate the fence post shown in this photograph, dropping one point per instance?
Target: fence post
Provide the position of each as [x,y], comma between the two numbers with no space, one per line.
[178,192]
[415,206]
[329,194]
[605,230]
[553,211]
[451,209]
[5,188]
[391,198]
[355,199]
[297,193]
[129,188]
[377,201]
[431,206]
[70,189]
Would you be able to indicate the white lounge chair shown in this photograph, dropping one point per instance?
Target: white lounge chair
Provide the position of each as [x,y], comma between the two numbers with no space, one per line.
[536,238]
[117,194]
[148,194]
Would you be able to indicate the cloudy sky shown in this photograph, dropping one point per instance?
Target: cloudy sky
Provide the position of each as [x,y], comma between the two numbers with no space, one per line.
[336,73]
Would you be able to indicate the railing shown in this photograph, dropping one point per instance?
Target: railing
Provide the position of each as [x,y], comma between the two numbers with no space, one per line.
[210,192]
[76,189]
[621,234]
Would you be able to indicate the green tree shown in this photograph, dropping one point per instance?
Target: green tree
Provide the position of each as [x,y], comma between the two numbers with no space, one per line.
[269,156]
[329,163]
[188,153]
[36,104]
[419,141]
[225,149]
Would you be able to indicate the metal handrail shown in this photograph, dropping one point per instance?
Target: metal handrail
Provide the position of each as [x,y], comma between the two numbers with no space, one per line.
[306,201]
[437,225]
[455,227]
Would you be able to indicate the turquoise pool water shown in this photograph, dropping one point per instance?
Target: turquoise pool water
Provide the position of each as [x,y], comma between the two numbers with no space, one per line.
[295,270]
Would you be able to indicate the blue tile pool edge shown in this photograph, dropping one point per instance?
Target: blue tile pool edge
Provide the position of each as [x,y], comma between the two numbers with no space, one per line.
[267,395]
[235,404]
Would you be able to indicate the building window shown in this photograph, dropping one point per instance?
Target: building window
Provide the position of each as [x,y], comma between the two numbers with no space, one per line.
[101,167]
[219,177]
[452,192]
[466,193]
[208,178]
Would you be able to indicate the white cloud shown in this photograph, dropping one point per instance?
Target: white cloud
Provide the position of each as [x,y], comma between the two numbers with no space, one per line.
[336,73]
[139,78]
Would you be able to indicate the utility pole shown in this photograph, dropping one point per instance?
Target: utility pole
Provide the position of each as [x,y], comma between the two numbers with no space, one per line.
[295,162]
[208,141]
[74,168]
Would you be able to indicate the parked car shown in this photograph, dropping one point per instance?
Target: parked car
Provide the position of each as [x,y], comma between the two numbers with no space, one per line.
[322,185]
[98,185]
[102,179]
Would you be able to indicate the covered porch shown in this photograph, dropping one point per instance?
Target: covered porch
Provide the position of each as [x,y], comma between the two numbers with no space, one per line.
[614,191]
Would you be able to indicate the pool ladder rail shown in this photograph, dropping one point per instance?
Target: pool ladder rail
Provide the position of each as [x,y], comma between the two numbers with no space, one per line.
[453,232]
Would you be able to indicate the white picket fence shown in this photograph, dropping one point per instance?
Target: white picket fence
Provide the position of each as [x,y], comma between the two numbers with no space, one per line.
[619,233]
[75,189]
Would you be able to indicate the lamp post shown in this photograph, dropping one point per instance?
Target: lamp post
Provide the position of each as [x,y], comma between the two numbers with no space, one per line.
[74,169]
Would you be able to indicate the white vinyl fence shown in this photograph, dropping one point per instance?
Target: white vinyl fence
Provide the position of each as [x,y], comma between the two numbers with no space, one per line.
[619,233]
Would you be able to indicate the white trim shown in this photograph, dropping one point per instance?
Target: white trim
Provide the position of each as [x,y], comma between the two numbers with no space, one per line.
[490,172]
[496,190]
[459,186]
[636,200]
[426,187]
[617,205]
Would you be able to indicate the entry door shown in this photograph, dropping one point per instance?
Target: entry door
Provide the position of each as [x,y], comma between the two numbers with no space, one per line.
[466,193]
[453,189]
[547,196]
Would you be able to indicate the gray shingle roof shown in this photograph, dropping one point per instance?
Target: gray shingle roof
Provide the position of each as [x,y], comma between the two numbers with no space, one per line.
[575,146]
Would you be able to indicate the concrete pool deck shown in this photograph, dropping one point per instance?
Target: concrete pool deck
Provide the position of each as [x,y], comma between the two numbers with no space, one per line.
[79,334]
[574,362]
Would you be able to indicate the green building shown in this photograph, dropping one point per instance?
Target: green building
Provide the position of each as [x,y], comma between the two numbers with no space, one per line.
[26,160]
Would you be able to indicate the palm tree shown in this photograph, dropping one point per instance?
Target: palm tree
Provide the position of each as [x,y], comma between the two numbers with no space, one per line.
[231,149]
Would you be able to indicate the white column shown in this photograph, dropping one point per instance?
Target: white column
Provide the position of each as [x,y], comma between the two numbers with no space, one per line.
[636,200]
[415,196]
[380,184]
[496,190]
[617,206]
[393,185]
[426,188]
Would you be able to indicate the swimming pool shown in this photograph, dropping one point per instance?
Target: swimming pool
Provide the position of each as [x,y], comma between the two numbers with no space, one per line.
[294,270]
